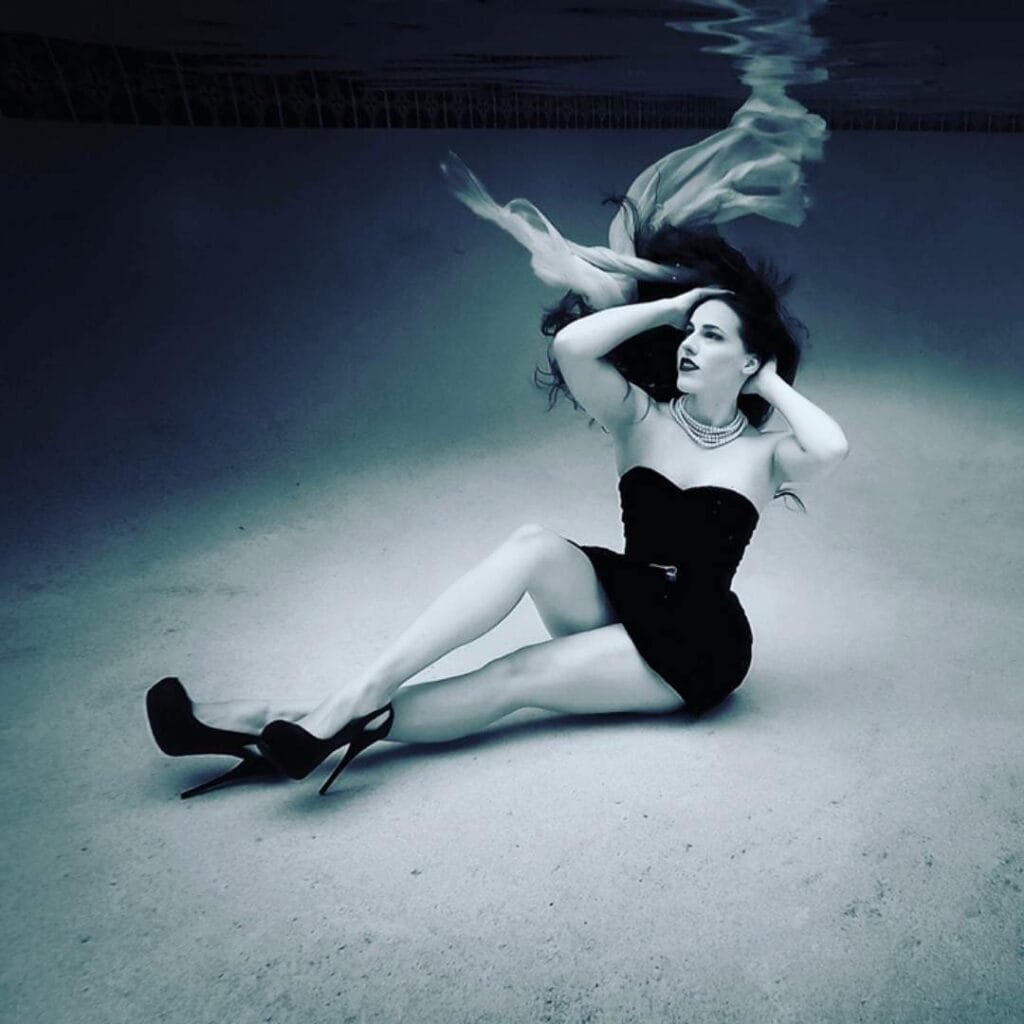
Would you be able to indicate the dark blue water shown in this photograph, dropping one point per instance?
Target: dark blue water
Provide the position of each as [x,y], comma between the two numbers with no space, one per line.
[940,64]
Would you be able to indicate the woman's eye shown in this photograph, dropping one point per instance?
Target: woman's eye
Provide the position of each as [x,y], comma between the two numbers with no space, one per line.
[688,329]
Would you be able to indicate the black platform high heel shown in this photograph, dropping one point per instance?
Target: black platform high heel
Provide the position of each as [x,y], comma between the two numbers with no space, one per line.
[178,733]
[297,752]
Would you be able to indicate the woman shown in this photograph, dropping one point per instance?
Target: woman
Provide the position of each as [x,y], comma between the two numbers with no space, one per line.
[655,630]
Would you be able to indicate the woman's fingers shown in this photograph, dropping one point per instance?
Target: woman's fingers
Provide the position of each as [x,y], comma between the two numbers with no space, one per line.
[685,301]
[707,292]
[690,299]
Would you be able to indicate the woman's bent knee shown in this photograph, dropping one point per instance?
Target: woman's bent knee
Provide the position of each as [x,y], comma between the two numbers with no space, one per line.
[532,534]
[543,545]
[526,673]
[516,674]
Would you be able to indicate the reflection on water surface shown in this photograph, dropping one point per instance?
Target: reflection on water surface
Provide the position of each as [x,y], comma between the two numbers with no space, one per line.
[504,64]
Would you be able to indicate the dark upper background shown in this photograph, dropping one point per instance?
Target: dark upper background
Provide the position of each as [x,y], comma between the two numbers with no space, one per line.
[943,57]
[215,319]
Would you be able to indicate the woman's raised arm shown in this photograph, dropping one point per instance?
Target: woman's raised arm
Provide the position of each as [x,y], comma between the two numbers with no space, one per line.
[817,444]
[580,347]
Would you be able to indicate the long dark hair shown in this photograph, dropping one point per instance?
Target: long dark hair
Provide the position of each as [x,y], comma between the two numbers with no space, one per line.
[648,359]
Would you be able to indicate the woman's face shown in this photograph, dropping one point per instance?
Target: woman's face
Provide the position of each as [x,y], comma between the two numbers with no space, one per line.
[711,356]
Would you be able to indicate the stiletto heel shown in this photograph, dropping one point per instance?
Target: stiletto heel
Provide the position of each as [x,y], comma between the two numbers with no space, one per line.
[357,746]
[250,767]
[179,733]
[297,752]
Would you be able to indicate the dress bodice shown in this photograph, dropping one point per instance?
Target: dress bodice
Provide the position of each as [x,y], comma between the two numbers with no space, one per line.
[703,531]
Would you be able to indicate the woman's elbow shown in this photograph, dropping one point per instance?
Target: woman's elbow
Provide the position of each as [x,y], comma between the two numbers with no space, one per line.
[834,454]
[832,444]
[563,342]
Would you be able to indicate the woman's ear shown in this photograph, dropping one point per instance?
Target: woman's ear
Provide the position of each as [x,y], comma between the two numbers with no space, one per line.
[751,365]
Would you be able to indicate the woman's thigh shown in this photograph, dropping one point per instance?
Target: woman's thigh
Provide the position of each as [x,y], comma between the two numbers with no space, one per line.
[593,672]
[563,585]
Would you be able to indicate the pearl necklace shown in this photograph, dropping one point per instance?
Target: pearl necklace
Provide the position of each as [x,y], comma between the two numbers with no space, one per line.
[704,434]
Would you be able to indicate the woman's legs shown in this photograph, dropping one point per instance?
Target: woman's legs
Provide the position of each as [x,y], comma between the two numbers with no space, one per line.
[533,560]
[593,672]
[554,572]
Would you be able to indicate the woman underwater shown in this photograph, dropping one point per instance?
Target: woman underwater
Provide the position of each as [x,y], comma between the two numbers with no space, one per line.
[679,348]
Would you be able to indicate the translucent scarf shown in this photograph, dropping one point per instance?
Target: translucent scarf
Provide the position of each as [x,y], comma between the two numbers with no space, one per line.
[752,167]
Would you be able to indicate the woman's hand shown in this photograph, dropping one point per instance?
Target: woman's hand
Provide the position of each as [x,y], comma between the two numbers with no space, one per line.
[766,372]
[681,306]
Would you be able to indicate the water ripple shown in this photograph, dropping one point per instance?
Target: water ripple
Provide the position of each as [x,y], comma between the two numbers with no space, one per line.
[772,47]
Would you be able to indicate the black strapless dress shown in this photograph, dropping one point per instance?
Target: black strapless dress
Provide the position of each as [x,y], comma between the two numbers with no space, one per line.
[672,588]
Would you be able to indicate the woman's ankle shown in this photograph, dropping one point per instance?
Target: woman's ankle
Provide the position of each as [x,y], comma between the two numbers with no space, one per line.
[333,714]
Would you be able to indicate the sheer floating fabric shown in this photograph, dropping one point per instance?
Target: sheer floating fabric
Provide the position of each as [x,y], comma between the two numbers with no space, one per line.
[752,167]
